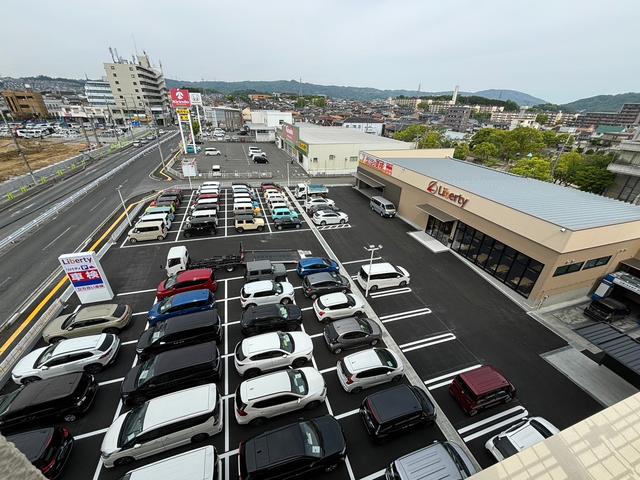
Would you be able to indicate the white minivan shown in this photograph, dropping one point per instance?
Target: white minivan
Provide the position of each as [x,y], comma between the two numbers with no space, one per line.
[382,275]
[152,217]
[162,423]
[199,464]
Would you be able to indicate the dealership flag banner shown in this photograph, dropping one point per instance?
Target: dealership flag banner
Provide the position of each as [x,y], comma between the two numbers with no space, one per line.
[86,276]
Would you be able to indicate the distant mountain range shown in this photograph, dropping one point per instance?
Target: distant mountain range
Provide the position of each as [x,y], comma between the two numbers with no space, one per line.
[603,103]
[349,93]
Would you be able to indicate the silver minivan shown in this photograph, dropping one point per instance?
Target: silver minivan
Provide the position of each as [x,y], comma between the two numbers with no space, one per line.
[438,461]
[145,231]
[152,217]
[383,207]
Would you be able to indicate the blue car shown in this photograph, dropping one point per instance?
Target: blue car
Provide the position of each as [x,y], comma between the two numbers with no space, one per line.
[307,266]
[180,304]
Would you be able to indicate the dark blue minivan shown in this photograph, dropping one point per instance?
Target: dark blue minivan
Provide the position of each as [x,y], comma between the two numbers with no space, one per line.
[181,303]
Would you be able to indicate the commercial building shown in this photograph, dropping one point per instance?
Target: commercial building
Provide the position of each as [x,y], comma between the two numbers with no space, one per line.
[271,118]
[54,104]
[25,104]
[366,125]
[457,118]
[545,242]
[626,167]
[98,93]
[330,150]
[223,117]
[139,91]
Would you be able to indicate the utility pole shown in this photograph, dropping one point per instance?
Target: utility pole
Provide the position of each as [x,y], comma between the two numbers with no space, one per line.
[155,124]
[86,137]
[20,152]
[113,122]
[93,127]
[371,249]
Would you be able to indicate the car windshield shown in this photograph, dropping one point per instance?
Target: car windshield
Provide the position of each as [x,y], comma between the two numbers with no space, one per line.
[505,447]
[386,358]
[165,304]
[298,382]
[5,400]
[46,355]
[364,325]
[132,425]
[286,342]
[171,281]
[146,372]
[158,331]
[279,288]
[311,439]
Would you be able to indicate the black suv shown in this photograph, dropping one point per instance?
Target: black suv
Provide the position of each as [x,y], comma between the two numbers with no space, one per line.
[318,284]
[171,371]
[607,310]
[269,318]
[181,331]
[315,208]
[395,410]
[43,402]
[293,450]
[47,449]
[282,223]
[201,225]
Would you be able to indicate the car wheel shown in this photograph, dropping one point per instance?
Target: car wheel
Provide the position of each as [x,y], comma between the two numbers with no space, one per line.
[27,380]
[323,223]
[250,305]
[330,468]
[200,437]
[508,398]
[381,214]
[285,301]
[342,221]
[70,417]
[299,362]
[187,234]
[112,330]
[93,368]
[397,378]
[257,421]
[311,405]
[359,313]
[356,390]
[297,225]
[373,343]
[259,229]
[239,229]
[403,283]
[253,372]
[121,462]
[55,339]
[133,240]
[159,238]
[279,227]
[373,288]
[230,268]
[337,351]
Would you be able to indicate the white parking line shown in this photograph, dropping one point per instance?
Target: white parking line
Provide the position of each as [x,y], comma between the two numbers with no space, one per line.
[229,454]
[306,308]
[447,337]
[490,419]
[360,261]
[316,335]
[347,414]
[129,342]
[386,293]
[428,339]
[139,313]
[374,475]
[185,216]
[109,382]
[334,227]
[264,213]
[225,212]
[90,434]
[431,385]
[404,315]
[497,426]
[327,370]
[135,292]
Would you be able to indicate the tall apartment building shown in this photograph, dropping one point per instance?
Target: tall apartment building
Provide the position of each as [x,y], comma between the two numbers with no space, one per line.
[138,89]
[628,115]
[98,93]
[457,118]
[626,167]
[25,104]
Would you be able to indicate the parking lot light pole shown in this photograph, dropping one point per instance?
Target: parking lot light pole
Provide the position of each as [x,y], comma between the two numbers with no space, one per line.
[126,212]
[371,249]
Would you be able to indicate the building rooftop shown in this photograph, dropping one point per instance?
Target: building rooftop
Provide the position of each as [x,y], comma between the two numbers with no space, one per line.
[562,206]
[317,134]
[362,120]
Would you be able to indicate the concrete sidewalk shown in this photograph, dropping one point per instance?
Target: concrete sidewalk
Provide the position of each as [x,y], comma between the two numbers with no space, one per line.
[596,380]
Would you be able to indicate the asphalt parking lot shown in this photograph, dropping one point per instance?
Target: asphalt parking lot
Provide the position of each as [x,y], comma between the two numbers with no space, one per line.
[447,320]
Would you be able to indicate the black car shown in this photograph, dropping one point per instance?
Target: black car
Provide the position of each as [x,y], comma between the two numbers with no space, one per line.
[294,450]
[607,310]
[170,197]
[181,331]
[201,225]
[43,402]
[260,159]
[396,410]
[270,318]
[282,223]
[47,449]
[171,371]
[315,208]
[322,283]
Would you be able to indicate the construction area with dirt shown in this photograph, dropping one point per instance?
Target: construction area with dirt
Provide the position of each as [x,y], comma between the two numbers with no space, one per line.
[40,153]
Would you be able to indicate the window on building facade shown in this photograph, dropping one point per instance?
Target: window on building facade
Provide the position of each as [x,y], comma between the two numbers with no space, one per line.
[332,157]
[315,159]
[119,89]
[571,268]
[596,262]
[353,159]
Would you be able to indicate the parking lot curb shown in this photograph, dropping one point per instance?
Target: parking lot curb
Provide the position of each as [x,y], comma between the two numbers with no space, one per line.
[442,421]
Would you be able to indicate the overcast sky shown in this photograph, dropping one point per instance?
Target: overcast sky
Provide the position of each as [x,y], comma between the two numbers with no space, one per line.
[559,50]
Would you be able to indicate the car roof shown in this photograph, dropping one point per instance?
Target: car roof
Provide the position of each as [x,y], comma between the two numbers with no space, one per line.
[259,286]
[191,401]
[204,213]
[261,343]
[195,464]
[48,389]
[393,402]
[195,274]
[177,252]
[313,260]
[331,299]
[259,265]
[190,296]
[362,360]
[191,320]
[95,311]
[320,277]
[32,443]
[265,385]
[264,311]
[87,342]
[274,447]
[349,324]
[184,357]
[376,268]
[154,223]
[611,303]
[433,461]
[525,436]
[484,379]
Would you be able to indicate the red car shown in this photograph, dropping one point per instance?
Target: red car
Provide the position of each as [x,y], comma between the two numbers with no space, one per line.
[201,278]
[206,195]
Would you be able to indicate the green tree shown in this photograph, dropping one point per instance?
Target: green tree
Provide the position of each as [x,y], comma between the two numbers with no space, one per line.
[461,152]
[534,167]
[431,139]
[593,179]
[542,118]
[567,166]
[485,150]
[196,127]
[320,102]
[411,133]
[511,106]
[300,102]
[481,116]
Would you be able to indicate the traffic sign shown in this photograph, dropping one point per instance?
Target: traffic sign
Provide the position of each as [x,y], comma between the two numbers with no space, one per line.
[182,111]
[183,117]
[180,97]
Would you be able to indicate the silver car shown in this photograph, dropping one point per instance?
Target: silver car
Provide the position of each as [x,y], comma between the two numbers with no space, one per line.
[89,320]
[352,332]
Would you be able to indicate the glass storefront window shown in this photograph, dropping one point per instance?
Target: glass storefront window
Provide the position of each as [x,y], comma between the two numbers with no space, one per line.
[485,249]
[505,263]
[494,256]
[475,245]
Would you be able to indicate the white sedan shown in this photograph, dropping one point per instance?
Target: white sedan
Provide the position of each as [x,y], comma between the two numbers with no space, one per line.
[313,201]
[272,351]
[328,217]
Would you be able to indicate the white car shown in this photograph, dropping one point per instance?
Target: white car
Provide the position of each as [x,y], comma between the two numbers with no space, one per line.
[169,421]
[198,464]
[382,275]
[266,291]
[369,368]
[90,353]
[516,438]
[211,151]
[254,149]
[337,305]
[328,217]
[212,183]
[313,201]
[272,351]
[277,393]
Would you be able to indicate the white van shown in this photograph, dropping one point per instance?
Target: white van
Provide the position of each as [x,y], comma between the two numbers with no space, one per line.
[273,204]
[382,275]
[145,231]
[162,423]
[200,464]
[205,201]
[241,197]
[243,207]
[166,210]
[270,194]
[212,212]
[383,207]
[211,184]
[216,171]
[150,217]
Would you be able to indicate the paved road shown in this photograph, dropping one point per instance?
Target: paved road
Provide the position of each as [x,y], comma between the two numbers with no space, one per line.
[29,262]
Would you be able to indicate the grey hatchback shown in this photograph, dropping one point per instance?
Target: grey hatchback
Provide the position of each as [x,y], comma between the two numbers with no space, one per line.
[351,332]
[318,284]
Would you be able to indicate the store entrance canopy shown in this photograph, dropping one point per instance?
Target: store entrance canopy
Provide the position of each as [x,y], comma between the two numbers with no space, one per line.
[363,177]
[617,345]
[434,212]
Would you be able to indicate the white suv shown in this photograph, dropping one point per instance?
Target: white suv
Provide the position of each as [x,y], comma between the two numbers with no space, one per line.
[329,217]
[272,351]
[313,201]
[382,275]
[516,438]
[278,393]
[337,305]
[369,368]
[264,292]
[163,423]
[90,353]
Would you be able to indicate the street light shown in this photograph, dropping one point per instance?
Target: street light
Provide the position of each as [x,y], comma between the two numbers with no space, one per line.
[371,249]
[126,212]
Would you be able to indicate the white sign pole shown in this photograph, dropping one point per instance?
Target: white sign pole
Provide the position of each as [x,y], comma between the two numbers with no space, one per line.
[87,276]
[184,144]
[198,113]
[193,138]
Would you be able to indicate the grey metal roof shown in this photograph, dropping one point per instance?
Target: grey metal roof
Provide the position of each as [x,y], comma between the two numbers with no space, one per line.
[562,206]
[614,343]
